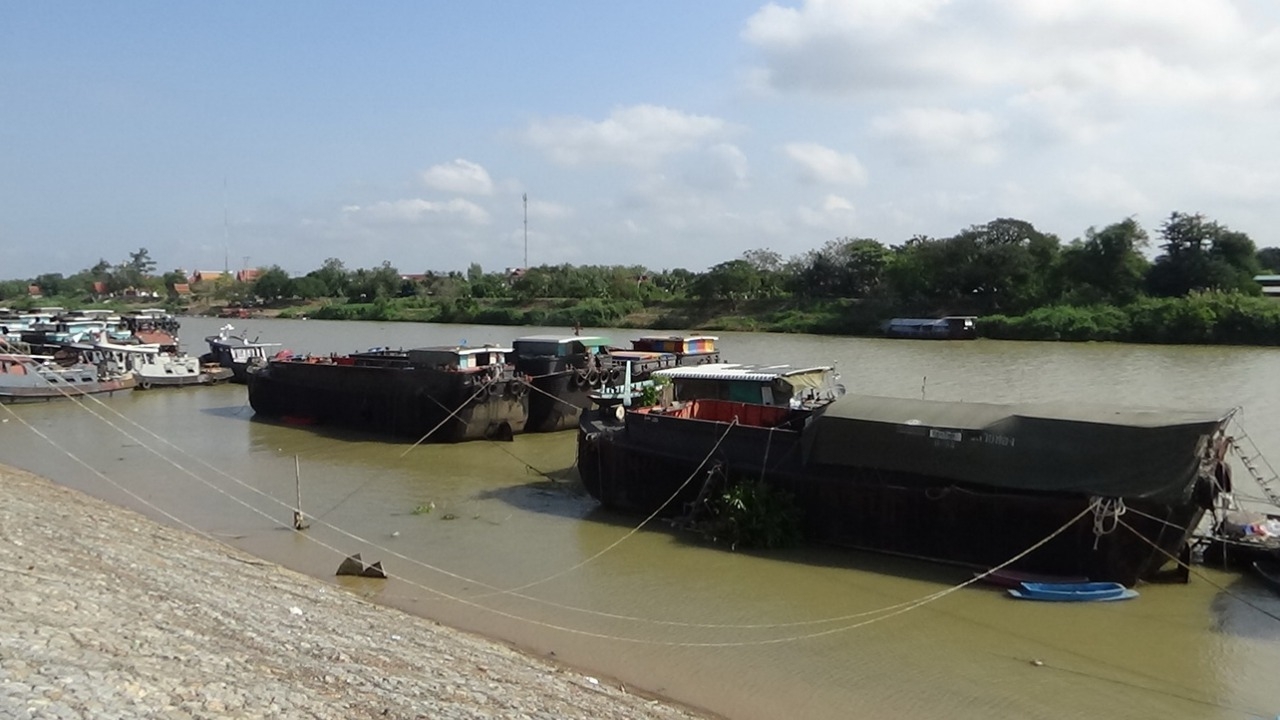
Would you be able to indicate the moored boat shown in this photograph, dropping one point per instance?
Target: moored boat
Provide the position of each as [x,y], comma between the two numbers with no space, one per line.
[562,370]
[39,378]
[969,483]
[951,327]
[440,394]
[1073,592]
[237,352]
[156,365]
[566,370]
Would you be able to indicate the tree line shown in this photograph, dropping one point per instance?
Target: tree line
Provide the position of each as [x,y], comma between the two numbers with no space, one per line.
[1199,286]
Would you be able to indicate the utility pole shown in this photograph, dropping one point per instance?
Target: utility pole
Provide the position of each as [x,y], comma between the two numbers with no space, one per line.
[526,231]
[226,231]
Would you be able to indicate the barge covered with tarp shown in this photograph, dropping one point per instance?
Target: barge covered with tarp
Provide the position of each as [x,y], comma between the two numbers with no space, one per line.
[970,483]
[437,394]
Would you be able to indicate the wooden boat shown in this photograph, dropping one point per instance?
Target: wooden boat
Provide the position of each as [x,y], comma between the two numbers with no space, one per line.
[39,378]
[952,327]
[237,352]
[1073,592]
[156,365]
[442,394]
[966,483]
[1014,579]
[566,370]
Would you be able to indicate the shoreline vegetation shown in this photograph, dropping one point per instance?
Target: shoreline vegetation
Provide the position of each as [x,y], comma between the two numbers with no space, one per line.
[1204,286]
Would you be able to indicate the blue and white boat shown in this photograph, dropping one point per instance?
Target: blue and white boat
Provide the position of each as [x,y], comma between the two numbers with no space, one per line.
[1073,592]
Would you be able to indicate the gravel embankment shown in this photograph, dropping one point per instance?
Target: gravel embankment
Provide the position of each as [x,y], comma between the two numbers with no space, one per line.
[106,614]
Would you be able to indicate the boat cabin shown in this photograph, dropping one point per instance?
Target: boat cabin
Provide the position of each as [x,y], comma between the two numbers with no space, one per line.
[951,327]
[559,346]
[692,345]
[779,385]
[459,357]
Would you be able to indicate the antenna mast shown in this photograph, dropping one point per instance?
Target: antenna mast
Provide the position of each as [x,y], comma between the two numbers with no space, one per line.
[226,232]
[526,231]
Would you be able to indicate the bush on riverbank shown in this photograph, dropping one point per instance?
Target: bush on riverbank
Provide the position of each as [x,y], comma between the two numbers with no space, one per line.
[1196,319]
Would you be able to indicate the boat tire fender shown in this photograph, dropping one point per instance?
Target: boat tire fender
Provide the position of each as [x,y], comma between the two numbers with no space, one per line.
[144,384]
[516,388]
[593,376]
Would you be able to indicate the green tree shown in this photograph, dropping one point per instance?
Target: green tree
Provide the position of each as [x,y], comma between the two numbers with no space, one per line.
[1108,266]
[308,287]
[1202,255]
[51,284]
[273,284]
[333,274]
[733,280]
[1269,260]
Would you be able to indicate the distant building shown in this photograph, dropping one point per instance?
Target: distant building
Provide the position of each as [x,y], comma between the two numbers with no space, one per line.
[1270,285]
[204,276]
[34,291]
[180,290]
[247,275]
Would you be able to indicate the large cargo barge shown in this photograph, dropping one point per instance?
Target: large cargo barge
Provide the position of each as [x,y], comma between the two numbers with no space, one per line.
[437,394]
[968,483]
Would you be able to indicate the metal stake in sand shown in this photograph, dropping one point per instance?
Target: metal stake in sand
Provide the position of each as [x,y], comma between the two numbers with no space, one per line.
[299,520]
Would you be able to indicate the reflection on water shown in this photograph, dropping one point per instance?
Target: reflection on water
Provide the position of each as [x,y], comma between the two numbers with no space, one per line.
[497,538]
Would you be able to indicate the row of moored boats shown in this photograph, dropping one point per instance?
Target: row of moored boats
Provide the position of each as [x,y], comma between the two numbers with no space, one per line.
[51,353]
[1105,494]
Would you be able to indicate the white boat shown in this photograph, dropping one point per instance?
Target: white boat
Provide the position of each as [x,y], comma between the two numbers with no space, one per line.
[156,365]
[39,378]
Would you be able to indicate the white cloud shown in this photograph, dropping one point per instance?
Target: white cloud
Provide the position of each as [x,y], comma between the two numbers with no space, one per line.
[942,134]
[415,211]
[818,164]
[832,215]
[1108,190]
[640,135]
[461,177]
[1095,57]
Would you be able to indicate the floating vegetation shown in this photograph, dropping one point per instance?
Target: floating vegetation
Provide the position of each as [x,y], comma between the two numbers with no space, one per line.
[753,514]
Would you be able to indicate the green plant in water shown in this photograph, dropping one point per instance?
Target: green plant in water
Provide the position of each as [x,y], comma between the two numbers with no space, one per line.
[752,514]
[424,508]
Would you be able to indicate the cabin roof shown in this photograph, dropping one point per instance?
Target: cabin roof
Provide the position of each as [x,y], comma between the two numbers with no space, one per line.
[563,339]
[465,349]
[682,338]
[737,371]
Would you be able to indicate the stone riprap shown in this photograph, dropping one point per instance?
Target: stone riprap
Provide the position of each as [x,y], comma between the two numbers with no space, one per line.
[106,614]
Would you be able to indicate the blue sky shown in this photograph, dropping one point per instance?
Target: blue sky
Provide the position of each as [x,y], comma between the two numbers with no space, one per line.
[666,134]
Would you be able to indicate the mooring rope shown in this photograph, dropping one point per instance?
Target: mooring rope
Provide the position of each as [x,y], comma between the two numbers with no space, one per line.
[1197,573]
[484,387]
[671,498]
[889,611]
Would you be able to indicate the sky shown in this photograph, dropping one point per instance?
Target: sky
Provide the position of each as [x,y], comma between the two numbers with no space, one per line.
[664,133]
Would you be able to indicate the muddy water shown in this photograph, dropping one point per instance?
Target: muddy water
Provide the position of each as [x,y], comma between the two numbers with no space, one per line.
[495,537]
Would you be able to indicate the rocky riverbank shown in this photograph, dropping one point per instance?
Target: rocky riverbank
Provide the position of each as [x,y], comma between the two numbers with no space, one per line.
[106,614]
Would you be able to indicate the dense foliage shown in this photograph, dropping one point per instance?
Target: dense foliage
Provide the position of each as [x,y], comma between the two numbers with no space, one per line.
[1022,283]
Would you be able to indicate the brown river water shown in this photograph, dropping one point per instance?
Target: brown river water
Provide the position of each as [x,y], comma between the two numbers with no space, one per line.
[495,538]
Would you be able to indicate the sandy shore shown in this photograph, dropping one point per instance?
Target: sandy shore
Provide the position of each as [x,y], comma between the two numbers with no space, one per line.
[106,614]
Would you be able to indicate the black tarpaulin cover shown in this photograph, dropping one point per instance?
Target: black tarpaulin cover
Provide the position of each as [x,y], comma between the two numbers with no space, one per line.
[1059,447]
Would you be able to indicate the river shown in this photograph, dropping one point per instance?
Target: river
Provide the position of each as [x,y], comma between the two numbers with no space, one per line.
[496,538]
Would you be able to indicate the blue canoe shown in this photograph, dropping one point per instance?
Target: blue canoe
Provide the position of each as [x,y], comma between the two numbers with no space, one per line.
[1073,592]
